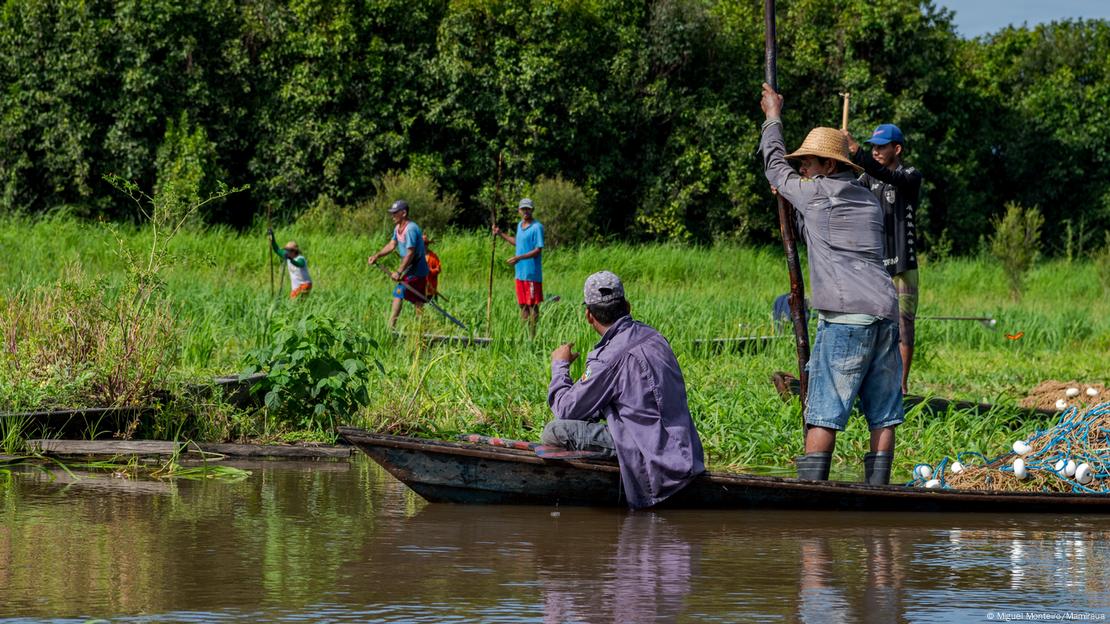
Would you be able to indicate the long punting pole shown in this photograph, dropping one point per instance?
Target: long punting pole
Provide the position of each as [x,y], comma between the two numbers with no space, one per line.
[270,252]
[786,223]
[493,244]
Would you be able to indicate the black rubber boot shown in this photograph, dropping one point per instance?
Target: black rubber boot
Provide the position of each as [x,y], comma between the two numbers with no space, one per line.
[814,466]
[876,467]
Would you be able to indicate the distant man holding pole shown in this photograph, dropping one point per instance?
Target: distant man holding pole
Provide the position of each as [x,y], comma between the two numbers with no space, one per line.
[898,189]
[300,282]
[633,383]
[855,353]
[408,240]
[528,263]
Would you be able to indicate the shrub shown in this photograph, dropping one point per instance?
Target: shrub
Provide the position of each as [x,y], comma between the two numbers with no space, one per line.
[1016,243]
[317,370]
[427,206]
[565,210]
[325,216]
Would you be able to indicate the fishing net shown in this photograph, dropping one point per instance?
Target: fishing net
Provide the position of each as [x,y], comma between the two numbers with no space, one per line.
[1047,393]
[1071,456]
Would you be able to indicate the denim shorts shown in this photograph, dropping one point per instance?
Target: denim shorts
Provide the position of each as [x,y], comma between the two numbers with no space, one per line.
[850,361]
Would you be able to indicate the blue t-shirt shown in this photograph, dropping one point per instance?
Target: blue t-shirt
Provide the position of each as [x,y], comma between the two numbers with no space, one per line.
[412,238]
[527,239]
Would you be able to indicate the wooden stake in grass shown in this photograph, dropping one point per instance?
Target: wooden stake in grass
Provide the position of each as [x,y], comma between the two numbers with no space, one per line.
[493,244]
[270,252]
[844,110]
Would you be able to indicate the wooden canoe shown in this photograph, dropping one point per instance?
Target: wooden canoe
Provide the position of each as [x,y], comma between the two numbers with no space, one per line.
[452,472]
[788,388]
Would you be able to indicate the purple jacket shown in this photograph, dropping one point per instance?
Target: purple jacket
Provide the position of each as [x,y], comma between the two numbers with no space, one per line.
[633,381]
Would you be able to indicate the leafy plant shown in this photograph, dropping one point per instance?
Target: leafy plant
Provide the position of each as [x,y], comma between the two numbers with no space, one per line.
[317,371]
[1016,243]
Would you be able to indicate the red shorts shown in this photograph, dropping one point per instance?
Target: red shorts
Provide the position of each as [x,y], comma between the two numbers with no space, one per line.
[419,284]
[529,293]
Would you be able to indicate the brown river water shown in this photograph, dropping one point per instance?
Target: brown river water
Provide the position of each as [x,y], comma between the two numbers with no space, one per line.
[344,542]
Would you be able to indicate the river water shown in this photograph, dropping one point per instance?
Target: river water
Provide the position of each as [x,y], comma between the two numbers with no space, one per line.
[344,542]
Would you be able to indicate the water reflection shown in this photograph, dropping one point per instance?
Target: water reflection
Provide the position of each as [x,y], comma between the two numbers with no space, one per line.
[645,576]
[877,596]
[345,542]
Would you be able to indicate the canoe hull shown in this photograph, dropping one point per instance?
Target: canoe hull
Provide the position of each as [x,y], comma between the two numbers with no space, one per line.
[448,472]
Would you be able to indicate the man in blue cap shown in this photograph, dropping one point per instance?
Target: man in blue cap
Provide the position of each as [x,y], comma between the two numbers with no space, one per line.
[408,240]
[632,382]
[898,189]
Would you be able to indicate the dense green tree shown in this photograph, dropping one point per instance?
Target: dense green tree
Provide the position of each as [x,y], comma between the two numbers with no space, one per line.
[91,86]
[650,107]
[1049,142]
[342,89]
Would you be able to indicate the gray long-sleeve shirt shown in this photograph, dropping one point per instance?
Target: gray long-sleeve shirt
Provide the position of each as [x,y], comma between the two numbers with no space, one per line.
[842,224]
[633,381]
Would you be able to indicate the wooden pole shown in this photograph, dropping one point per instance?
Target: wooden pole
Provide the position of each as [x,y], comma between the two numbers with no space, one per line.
[844,111]
[786,224]
[493,244]
[270,252]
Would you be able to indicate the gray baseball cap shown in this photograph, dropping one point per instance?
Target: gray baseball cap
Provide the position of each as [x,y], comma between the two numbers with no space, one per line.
[525,203]
[603,287]
[398,206]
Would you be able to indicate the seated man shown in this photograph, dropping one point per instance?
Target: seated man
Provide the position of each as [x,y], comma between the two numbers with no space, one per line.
[633,382]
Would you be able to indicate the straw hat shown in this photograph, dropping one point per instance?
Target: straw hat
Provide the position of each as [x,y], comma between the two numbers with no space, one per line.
[826,143]
[292,246]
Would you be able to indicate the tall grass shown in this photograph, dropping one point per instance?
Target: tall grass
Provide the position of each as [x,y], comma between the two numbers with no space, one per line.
[219,292]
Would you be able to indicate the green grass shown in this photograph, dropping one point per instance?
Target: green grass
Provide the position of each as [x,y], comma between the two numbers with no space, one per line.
[220,292]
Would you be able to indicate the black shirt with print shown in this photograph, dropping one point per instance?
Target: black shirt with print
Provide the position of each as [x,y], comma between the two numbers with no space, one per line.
[898,192]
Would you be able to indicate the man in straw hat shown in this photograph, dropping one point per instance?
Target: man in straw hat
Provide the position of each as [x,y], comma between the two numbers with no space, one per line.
[408,240]
[632,382]
[855,352]
[300,283]
[897,188]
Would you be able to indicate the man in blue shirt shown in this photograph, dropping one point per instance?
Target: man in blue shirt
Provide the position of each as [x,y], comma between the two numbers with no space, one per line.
[408,240]
[528,262]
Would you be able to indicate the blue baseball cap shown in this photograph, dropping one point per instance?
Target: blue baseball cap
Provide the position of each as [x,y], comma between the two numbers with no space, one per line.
[886,133]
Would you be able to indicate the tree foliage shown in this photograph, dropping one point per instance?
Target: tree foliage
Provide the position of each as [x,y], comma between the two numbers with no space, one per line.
[650,107]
